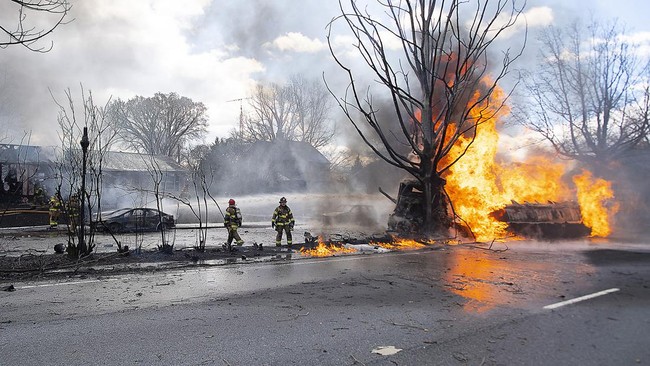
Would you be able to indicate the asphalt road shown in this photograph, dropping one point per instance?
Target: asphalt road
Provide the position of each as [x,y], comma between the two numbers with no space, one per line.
[459,305]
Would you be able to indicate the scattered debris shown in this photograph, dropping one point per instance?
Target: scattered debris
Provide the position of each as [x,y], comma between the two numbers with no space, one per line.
[386,350]
[9,288]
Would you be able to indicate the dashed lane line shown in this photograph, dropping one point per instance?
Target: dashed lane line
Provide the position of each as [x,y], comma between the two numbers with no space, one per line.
[581,298]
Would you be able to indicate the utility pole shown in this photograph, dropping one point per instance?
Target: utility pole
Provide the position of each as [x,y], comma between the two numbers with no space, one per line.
[241,111]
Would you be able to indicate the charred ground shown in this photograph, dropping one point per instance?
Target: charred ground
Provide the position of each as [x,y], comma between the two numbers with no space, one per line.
[38,266]
[29,253]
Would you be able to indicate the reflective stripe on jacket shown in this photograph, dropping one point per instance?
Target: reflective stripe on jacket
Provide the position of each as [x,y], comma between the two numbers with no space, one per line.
[232,216]
[282,216]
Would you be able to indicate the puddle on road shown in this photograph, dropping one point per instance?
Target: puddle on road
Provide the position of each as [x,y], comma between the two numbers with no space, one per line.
[487,280]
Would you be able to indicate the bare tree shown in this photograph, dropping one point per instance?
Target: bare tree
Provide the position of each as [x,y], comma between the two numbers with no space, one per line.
[159,125]
[591,93]
[25,34]
[69,161]
[441,84]
[157,176]
[297,111]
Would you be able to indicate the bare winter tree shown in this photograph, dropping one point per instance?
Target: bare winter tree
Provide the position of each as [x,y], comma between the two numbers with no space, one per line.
[591,93]
[297,111]
[157,175]
[28,14]
[441,84]
[159,125]
[69,162]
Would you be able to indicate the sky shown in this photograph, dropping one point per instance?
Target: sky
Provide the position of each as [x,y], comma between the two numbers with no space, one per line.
[212,51]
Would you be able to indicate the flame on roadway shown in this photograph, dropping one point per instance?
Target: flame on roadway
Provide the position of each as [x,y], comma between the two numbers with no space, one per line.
[324,249]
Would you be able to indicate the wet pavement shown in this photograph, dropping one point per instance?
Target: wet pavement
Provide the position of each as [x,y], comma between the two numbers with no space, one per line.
[463,304]
[473,303]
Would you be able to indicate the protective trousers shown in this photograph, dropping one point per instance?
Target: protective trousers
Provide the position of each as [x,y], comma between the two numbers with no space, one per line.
[54,217]
[278,237]
[233,234]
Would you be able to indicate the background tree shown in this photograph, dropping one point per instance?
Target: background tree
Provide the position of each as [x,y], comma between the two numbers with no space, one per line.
[22,32]
[296,111]
[438,84]
[590,93]
[159,125]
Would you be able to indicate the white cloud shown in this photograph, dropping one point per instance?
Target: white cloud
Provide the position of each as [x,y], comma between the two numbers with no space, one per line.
[120,49]
[537,17]
[540,16]
[297,42]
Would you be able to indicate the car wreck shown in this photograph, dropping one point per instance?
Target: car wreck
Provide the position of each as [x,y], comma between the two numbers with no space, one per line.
[551,220]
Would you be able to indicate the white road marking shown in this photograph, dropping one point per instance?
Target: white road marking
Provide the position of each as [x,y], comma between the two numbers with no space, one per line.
[66,283]
[581,298]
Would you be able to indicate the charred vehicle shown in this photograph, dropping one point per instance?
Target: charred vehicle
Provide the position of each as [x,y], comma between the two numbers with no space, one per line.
[552,220]
[408,216]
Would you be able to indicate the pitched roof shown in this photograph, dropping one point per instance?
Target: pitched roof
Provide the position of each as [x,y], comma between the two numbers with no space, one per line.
[25,154]
[135,162]
[298,150]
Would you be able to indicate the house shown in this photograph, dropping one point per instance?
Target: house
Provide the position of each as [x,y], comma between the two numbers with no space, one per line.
[23,168]
[139,171]
[285,166]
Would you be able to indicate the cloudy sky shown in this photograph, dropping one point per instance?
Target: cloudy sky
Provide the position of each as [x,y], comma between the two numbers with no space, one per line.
[212,51]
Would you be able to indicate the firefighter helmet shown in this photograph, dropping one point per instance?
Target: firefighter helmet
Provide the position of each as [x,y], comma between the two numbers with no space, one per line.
[283,200]
[231,202]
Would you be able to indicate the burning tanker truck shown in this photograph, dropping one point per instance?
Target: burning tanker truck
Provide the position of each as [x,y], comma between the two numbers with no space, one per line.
[551,220]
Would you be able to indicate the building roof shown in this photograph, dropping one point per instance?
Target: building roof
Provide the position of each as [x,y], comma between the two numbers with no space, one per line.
[135,162]
[113,160]
[294,150]
[25,154]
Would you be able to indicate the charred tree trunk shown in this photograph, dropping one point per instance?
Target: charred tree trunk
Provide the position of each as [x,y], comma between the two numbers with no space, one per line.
[437,219]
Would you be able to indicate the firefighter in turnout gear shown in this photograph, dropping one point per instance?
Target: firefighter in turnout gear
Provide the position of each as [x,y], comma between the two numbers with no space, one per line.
[55,211]
[232,221]
[73,208]
[282,220]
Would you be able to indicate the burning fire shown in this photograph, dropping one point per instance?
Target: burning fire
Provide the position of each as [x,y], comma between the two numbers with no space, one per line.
[325,250]
[478,184]
[399,244]
[592,195]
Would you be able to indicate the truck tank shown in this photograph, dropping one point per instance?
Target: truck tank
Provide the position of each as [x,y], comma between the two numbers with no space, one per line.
[552,220]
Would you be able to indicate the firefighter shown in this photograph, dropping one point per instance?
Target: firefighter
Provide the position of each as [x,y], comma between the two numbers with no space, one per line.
[232,221]
[73,212]
[39,196]
[55,211]
[282,220]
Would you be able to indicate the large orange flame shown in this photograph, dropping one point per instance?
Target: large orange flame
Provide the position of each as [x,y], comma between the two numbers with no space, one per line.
[593,194]
[478,184]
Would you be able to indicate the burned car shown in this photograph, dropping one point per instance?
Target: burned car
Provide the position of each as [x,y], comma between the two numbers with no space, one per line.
[133,219]
[551,220]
